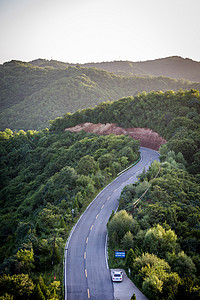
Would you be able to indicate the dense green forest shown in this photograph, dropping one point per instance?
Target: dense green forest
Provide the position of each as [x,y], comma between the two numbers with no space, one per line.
[45,174]
[30,96]
[174,115]
[43,177]
[162,231]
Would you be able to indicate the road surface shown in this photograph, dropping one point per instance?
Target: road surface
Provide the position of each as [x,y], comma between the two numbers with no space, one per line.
[87,275]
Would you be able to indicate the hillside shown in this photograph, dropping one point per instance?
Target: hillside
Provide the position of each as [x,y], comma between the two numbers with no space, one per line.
[173,67]
[45,174]
[47,181]
[173,115]
[30,96]
[147,138]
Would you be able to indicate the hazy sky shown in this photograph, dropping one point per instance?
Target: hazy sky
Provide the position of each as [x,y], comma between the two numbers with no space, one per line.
[79,31]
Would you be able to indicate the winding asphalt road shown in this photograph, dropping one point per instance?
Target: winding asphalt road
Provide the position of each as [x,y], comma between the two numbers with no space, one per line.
[87,275]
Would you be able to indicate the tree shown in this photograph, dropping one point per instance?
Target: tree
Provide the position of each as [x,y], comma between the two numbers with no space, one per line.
[55,286]
[148,264]
[163,152]
[127,240]
[170,286]
[159,241]
[6,134]
[87,165]
[7,297]
[43,286]
[187,290]
[48,217]
[20,286]
[128,193]
[186,146]
[128,152]
[153,274]
[114,239]
[152,287]
[141,188]
[182,264]
[153,170]
[38,295]
[121,223]
[130,257]
[105,161]
[26,260]
[123,161]
[62,224]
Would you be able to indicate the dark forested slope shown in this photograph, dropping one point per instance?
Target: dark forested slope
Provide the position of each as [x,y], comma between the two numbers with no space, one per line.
[30,96]
[47,180]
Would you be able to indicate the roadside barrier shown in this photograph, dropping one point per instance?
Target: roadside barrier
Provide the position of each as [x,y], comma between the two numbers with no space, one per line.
[129,166]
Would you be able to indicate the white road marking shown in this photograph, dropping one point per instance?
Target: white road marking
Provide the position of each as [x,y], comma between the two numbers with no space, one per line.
[87,240]
[85,273]
[88,292]
[106,253]
[97,216]
[85,255]
[102,206]
[91,227]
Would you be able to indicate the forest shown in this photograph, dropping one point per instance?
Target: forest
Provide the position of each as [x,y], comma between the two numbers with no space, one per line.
[31,95]
[45,174]
[160,233]
[174,115]
[47,181]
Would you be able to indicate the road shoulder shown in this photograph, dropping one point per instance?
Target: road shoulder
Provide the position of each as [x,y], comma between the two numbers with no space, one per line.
[125,289]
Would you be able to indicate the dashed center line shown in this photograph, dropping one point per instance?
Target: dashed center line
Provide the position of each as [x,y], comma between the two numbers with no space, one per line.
[97,216]
[91,227]
[87,240]
[85,255]
[115,190]
[85,273]
[88,292]
[102,206]
[108,198]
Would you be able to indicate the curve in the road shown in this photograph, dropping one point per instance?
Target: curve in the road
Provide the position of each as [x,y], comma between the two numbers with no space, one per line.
[86,270]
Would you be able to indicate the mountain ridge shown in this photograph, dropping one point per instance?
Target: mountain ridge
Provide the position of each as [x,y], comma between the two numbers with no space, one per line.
[31,95]
[175,67]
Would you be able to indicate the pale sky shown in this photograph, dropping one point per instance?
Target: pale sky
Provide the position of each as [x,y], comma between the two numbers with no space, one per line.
[80,31]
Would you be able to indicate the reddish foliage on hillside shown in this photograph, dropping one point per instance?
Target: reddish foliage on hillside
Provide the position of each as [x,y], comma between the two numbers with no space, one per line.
[147,137]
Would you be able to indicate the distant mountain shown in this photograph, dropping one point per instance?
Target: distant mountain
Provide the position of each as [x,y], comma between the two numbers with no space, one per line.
[50,63]
[33,93]
[173,67]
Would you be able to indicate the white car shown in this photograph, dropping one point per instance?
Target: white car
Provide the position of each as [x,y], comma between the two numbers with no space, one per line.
[117,276]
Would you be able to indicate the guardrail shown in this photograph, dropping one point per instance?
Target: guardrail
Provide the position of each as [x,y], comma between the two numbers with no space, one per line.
[129,166]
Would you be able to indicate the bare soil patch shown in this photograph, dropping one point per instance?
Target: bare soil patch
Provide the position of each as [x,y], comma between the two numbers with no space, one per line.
[147,137]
